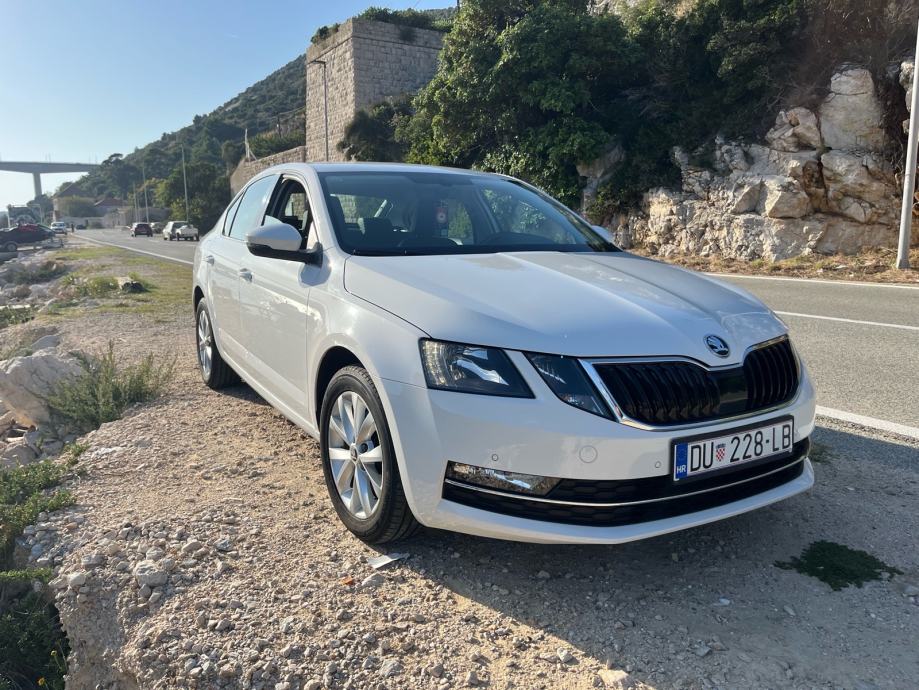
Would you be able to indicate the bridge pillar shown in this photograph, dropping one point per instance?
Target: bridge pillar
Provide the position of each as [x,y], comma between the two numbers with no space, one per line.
[36,180]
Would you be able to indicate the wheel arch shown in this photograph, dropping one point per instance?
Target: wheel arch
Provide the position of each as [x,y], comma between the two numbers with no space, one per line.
[333,360]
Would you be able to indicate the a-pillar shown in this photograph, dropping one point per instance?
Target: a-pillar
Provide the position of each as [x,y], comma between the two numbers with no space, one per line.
[36,180]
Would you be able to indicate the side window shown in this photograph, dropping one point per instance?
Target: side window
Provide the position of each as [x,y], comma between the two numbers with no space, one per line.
[251,207]
[290,205]
[228,217]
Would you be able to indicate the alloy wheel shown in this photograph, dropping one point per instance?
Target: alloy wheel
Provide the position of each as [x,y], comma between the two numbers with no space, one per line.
[355,455]
[205,343]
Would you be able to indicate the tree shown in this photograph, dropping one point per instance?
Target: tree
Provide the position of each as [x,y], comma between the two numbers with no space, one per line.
[208,193]
[116,177]
[206,149]
[371,135]
[526,87]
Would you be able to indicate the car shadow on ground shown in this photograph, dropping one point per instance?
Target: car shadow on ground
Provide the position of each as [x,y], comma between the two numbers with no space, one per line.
[709,606]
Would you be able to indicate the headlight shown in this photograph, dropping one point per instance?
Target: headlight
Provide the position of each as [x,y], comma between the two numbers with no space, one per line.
[568,381]
[471,369]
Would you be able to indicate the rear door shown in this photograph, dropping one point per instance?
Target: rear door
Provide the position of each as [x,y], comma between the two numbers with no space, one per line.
[226,255]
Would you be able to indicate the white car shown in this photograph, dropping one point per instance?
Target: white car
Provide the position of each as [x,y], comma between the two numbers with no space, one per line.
[180,230]
[474,356]
[59,227]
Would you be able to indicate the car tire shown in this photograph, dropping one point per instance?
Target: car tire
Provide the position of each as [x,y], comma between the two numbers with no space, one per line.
[215,372]
[10,247]
[390,517]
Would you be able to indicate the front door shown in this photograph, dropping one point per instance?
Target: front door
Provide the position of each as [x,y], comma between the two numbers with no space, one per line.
[273,295]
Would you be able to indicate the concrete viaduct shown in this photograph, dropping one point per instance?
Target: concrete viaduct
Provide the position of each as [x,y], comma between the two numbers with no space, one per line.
[38,169]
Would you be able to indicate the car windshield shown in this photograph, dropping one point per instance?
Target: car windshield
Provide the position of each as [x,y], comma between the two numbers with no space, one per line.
[402,213]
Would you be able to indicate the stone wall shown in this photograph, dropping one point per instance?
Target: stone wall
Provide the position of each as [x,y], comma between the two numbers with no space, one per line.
[365,62]
[822,181]
[246,170]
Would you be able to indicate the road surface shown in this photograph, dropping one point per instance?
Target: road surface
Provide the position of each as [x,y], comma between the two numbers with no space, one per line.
[860,341]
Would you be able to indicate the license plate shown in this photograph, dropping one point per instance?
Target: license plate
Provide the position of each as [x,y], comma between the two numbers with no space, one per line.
[698,456]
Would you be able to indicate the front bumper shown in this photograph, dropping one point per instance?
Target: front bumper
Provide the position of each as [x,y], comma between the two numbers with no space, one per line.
[544,436]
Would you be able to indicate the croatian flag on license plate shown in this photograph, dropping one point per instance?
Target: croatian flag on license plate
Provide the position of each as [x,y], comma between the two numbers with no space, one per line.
[720,450]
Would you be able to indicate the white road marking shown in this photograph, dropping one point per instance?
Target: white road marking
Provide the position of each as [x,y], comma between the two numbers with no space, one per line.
[821,281]
[139,251]
[869,422]
[857,321]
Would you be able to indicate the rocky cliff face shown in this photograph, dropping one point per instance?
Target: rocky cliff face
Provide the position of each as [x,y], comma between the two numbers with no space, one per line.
[822,181]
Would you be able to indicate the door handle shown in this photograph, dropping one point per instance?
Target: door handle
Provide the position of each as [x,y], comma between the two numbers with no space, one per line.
[245,274]
[209,259]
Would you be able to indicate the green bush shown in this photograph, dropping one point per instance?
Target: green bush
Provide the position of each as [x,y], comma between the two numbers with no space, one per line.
[23,496]
[33,648]
[40,273]
[371,135]
[107,387]
[97,286]
[528,88]
[10,316]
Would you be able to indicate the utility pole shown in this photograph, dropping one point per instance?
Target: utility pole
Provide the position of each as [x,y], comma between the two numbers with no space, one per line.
[909,173]
[143,171]
[185,184]
[136,212]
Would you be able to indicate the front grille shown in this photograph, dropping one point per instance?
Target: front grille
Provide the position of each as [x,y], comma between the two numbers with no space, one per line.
[661,393]
[667,498]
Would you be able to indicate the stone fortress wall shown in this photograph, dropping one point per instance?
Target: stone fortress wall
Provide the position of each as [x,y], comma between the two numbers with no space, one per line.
[360,64]
[365,62]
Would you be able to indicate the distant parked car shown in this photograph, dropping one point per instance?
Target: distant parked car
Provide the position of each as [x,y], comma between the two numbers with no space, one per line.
[59,227]
[28,233]
[141,229]
[187,232]
[180,230]
[81,226]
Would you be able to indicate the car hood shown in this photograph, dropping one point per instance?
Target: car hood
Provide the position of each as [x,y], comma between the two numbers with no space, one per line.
[577,304]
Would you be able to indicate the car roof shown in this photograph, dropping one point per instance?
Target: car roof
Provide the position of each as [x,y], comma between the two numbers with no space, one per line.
[375,167]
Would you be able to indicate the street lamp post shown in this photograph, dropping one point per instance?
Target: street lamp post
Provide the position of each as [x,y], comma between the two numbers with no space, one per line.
[143,172]
[185,184]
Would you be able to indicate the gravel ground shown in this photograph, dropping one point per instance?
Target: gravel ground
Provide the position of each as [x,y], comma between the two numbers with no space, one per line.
[203,552]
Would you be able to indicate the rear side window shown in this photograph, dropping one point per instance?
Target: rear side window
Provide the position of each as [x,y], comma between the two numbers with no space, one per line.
[251,209]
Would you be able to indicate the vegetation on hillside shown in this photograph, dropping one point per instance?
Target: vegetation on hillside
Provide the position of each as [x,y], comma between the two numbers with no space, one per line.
[533,87]
[406,20]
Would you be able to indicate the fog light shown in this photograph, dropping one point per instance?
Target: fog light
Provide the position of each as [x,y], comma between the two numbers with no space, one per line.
[532,484]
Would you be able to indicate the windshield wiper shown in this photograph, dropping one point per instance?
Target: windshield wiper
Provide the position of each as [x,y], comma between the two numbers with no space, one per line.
[395,251]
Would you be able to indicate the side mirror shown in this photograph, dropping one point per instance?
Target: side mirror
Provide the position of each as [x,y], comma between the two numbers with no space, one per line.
[281,241]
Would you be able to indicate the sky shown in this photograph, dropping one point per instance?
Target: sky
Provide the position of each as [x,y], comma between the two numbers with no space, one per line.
[81,80]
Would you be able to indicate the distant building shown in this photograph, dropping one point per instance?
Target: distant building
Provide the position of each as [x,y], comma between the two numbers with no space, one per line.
[108,203]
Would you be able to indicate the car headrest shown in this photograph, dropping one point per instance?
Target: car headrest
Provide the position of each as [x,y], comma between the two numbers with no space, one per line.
[378,232]
[337,213]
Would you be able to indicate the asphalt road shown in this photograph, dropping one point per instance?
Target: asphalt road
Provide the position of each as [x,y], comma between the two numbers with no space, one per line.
[860,341]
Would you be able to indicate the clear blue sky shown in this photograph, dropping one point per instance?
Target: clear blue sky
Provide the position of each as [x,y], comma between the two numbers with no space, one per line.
[81,80]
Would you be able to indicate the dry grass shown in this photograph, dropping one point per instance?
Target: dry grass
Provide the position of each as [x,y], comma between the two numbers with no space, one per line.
[874,265]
